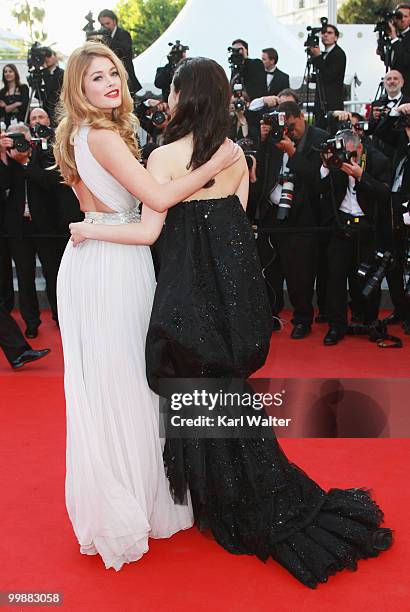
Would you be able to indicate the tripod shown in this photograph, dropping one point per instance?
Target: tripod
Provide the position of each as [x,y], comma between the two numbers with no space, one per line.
[35,81]
[312,75]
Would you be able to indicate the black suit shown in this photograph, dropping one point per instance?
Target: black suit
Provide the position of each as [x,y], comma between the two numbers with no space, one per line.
[293,255]
[400,60]
[27,237]
[280,81]
[163,80]
[253,76]
[331,73]
[387,149]
[121,44]
[353,239]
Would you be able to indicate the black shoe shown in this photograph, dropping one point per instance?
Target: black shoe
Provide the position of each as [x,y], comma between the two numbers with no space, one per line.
[31,331]
[27,356]
[321,318]
[301,330]
[357,318]
[392,319]
[406,327]
[332,337]
[276,325]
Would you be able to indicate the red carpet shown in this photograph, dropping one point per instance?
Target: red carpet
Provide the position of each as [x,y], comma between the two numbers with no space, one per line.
[191,572]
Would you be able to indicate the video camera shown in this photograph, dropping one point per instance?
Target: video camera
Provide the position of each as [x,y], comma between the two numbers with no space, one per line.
[176,53]
[312,39]
[36,57]
[373,274]
[385,16]
[334,154]
[91,32]
[277,121]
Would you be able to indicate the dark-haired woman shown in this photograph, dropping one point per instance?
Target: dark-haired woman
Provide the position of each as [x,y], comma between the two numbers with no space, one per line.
[211,318]
[14,96]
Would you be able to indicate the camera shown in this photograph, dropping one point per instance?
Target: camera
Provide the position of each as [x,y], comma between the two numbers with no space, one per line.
[385,16]
[277,121]
[35,62]
[286,198]
[42,131]
[20,143]
[334,154]
[373,274]
[176,53]
[158,118]
[239,102]
[236,62]
[91,32]
[312,39]
[362,125]
[248,147]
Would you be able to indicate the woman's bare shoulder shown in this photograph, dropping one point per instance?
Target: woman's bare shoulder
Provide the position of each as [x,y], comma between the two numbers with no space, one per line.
[102,137]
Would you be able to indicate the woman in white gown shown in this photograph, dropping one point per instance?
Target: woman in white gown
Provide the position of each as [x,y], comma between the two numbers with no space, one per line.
[117,493]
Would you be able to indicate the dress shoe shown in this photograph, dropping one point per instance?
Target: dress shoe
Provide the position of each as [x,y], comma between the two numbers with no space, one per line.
[332,337]
[31,332]
[27,356]
[301,330]
[321,318]
[392,319]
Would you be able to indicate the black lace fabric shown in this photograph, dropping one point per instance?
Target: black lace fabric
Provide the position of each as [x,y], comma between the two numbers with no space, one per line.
[211,318]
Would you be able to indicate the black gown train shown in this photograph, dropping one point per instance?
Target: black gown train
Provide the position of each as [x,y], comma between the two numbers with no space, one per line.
[211,318]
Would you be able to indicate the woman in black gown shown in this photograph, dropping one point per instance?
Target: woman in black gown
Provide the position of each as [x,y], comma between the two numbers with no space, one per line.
[14,96]
[211,318]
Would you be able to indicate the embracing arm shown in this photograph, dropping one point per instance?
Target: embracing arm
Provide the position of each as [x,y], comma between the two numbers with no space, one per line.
[112,153]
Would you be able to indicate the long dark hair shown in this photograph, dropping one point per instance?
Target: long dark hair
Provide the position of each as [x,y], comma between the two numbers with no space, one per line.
[16,74]
[203,107]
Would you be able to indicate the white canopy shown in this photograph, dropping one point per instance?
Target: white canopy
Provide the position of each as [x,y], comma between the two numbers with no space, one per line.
[208,27]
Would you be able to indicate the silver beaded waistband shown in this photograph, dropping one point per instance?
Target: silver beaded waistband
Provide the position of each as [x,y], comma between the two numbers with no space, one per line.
[127,216]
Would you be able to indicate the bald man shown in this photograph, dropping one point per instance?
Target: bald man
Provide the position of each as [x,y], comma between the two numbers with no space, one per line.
[39,115]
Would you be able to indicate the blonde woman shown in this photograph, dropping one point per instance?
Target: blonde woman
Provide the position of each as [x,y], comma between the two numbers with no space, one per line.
[116,491]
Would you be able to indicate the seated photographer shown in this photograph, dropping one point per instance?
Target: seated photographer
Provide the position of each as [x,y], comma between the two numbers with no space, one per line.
[289,177]
[355,203]
[13,96]
[120,42]
[30,213]
[53,77]
[276,80]
[252,71]
[395,131]
[267,102]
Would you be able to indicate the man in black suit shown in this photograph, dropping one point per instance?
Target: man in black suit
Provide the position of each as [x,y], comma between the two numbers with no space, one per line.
[17,350]
[330,68]
[53,77]
[399,139]
[398,55]
[355,204]
[30,221]
[121,43]
[252,71]
[276,80]
[286,254]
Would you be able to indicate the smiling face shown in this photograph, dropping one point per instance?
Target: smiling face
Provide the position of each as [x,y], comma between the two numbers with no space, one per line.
[9,74]
[102,84]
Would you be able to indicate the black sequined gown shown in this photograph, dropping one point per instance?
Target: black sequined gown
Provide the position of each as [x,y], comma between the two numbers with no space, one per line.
[211,318]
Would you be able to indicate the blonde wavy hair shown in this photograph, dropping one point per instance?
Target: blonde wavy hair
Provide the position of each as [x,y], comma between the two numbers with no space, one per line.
[73,109]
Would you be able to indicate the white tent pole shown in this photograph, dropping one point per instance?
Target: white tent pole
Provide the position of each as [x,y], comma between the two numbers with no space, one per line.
[332,11]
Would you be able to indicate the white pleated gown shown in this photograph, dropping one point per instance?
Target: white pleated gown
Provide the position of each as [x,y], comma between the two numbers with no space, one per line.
[117,493]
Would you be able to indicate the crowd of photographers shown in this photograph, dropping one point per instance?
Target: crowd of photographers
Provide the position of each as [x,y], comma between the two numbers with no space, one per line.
[329,189]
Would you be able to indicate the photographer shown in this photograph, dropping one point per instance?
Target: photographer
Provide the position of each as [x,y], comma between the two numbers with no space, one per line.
[355,203]
[243,124]
[330,66]
[251,71]
[53,77]
[30,215]
[394,97]
[289,172]
[395,131]
[154,117]
[398,50]
[267,102]
[165,74]
[121,43]
[276,80]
